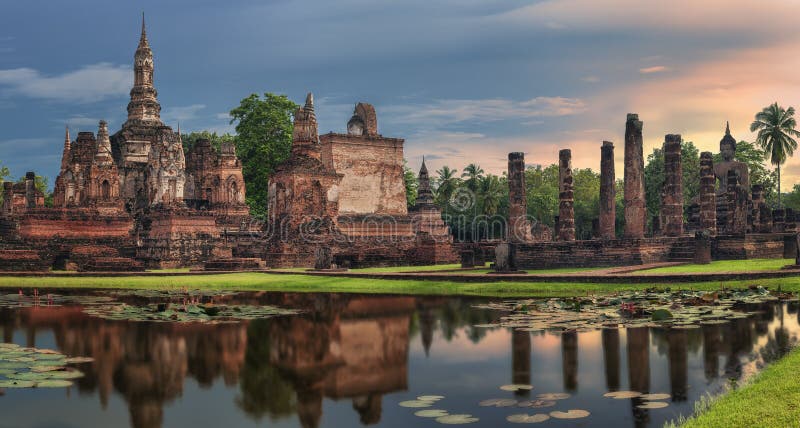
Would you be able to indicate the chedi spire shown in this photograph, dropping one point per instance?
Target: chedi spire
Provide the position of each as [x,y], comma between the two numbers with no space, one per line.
[65,155]
[103,155]
[144,102]
[305,136]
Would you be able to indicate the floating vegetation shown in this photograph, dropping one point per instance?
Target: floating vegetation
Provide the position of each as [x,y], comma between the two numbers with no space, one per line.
[431,413]
[415,403]
[36,368]
[570,414]
[661,396]
[175,306]
[650,308]
[516,387]
[185,312]
[622,395]
[653,405]
[527,419]
[498,402]
[538,404]
[553,396]
[457,419]
[430,397]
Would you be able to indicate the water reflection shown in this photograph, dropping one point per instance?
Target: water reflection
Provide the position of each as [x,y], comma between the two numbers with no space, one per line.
[348,360]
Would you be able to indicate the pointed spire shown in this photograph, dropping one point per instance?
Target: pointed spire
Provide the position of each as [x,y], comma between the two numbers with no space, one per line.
[143,37]
[67,140]
[65,155]
[309,102]
[727,128]
[423,167]
[103,143]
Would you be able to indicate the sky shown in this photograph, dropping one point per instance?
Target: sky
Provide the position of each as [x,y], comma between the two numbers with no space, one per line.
[460,80]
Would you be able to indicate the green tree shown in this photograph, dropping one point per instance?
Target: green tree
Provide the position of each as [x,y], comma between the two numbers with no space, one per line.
[471,176]
[190,139]
[586,191]
[792,199]
[4,173]
[264,140]
[446,184]
[411,182]
[541,192]
[490,194]
[776,129]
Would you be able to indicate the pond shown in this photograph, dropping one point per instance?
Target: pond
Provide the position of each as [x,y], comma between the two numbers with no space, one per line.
[339,360]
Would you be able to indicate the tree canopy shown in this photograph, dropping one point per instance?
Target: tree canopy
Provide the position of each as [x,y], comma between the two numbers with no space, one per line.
[263,141]
[776,135]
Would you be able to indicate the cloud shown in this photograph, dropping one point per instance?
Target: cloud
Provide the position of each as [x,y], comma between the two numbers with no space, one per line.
[590,79]
[91,83]
[453,111]
[654,69]
[182,113]
[79,121]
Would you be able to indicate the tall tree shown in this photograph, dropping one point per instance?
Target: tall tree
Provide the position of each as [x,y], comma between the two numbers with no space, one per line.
[190,139]
[541,192]
[446,184]
[4,173]
[411,183]
[471,176]
[264,140]
[776,129]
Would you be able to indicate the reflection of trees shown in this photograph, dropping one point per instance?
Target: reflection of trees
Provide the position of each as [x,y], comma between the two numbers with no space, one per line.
[263,390]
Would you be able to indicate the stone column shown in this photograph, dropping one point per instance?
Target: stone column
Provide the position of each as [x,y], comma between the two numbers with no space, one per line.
[30,189]
[8,198]
[608,205]
[635,210]
[754,221]
[519,229]
[708,197]
[566,198]
[672,202]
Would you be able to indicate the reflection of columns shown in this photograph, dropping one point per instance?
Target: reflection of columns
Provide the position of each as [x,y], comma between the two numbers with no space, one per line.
[309,408]
[521,359]
[711,346]
[368,408]
[639,359]
[639,370]
[678,363]
[569,360]
[611,357]
[426,324]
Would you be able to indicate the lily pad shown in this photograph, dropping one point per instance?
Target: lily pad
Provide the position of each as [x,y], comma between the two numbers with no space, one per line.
[66,374]
[516,387]
[415,403]
[553,396]
[15,383]
[661,396]
[537,404]
[621,395]
[498,402]
[28,376]
[570,414]
[430,397]
[430,413]
[661,315]
[43,369]
[79,360]
[653,405]
[53,383]
[527,419]
[457,419]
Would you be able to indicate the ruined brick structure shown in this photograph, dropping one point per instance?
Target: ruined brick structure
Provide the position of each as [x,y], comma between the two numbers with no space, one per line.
[346,192]
[635,210]
[129,191]
[672,203]
[566,202]
[519,229]
[608,201]
[708,198]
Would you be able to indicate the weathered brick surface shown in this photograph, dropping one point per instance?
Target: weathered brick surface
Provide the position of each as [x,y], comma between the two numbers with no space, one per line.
[566,197]
[608,203]
[672,191]
[519,229]
[635,211]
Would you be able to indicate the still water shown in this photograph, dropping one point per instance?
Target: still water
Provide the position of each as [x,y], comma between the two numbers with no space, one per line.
[348,360]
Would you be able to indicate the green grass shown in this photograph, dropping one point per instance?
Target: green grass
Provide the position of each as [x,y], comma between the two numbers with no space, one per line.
[308,283]
[772,399]
[726,266]
[429,268]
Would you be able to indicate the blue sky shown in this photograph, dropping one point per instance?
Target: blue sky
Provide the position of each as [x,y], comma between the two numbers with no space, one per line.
[461,80]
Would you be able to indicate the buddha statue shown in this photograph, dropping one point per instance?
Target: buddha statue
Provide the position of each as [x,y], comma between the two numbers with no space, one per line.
[727,148]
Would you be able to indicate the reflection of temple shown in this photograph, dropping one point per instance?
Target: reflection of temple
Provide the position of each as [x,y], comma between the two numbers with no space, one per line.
[348,347]
[357,349]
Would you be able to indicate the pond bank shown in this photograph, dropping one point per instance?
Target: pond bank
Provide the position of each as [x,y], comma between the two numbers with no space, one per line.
[770,400]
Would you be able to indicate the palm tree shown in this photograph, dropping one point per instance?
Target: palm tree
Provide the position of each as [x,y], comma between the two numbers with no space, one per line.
[472,172]
[775,128]
[491,194]
[447,182]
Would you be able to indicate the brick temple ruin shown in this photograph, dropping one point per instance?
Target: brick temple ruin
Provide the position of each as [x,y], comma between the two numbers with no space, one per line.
[135,200]
[729,218]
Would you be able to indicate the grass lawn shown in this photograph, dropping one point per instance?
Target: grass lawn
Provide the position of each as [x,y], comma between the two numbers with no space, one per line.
[308,283]
[726,266]
[771,400]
